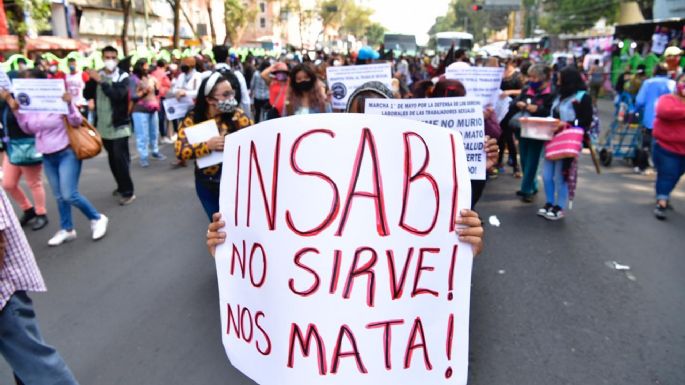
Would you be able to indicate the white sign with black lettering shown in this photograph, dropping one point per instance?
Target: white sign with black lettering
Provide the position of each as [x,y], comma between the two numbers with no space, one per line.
[344,80]
[462,114]
[481,82]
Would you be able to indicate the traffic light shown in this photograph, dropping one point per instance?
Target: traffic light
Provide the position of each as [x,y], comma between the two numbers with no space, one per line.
[476,7]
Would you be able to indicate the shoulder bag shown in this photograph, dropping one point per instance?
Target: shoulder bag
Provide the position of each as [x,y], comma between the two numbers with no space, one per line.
[85,140]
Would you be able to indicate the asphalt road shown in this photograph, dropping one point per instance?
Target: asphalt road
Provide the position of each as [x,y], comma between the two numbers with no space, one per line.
[547,306]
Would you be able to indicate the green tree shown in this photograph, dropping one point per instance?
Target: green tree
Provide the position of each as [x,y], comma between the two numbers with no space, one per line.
[461,17]
[38,10]
[236,17]
[374,34]
[569,16]
[356,20]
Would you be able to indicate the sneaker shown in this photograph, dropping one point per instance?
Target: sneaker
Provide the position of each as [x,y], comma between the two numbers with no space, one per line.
[660,212]
[61,237]
[40,222]
[544,210]
[99,227]
[125,201]
[144,163]
[158,156]
[167,140]
[28,216]
[637,170]
[555,214]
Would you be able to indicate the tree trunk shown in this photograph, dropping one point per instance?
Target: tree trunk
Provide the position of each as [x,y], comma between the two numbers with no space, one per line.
[211,22]
[126,8]
[177,22]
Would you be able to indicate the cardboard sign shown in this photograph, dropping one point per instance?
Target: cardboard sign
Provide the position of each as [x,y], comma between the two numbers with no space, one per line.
[462,114]
[344,80]
[40,95]
[481,82]
[341,264]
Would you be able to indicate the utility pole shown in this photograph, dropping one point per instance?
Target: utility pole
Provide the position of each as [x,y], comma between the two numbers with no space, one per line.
[148,40]
[177,23]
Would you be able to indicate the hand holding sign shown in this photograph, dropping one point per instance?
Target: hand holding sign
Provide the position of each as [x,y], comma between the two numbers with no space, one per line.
[341,263]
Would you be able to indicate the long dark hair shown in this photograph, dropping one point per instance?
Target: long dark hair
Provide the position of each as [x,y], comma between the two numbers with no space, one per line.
[201,105]
[570,82]
[316,97]
[138,68]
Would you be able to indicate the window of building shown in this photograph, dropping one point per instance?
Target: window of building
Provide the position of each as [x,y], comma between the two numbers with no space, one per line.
[262,7]
[262,22]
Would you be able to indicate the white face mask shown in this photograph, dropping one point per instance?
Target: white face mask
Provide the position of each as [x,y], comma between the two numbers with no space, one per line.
[53,69]
[110,65]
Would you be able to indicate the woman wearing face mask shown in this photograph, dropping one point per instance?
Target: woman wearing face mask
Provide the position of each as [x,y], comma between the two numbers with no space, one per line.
[306,94]
[217,99]
[572,106]
[143,93]
[536,99]
[187,84]
[669,146]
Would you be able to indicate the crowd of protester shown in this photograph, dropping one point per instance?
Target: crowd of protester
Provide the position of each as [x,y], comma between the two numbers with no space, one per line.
[122,99]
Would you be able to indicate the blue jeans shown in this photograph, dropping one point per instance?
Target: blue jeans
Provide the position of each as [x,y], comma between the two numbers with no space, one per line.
[146,126]
[556,188]
[530,150]
[31,359]
[208,193]
[669,167]
[63,170]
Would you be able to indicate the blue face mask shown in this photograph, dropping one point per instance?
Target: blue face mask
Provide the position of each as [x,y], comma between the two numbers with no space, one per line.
[535,85]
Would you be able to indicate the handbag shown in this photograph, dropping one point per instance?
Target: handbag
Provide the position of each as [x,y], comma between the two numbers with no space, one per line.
[84,140]
[20,151]
[566,144]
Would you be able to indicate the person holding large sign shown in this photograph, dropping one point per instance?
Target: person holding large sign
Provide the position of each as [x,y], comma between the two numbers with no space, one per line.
[217,100]
[341,264]
[62,168]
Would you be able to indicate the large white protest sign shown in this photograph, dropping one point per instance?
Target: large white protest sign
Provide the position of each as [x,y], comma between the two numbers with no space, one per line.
[481,82]
[462,114]
[177,108]
[344,80]
[40,95]
[341,264]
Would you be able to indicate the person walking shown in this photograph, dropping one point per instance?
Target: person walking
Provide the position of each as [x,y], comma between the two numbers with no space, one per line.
[217,99]
[143,93]
[186,84]
[573,107]
[651,90]
[535,100]
[163,87]
[669,146]
[109,91]
[62,168]
[32,173]
[260,93]
[32,360]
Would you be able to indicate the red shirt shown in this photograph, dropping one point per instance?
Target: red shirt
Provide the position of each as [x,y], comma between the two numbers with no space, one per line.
[669,124]
[277,95]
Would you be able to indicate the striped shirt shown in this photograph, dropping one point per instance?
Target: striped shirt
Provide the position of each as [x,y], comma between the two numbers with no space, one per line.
[19,271]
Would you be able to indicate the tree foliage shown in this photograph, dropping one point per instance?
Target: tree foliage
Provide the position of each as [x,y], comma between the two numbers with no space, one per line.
[374,34]
[236,18]
[38,10]
[461,17]
[569,16]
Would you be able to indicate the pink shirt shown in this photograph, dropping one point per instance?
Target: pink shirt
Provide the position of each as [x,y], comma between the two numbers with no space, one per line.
[49,129]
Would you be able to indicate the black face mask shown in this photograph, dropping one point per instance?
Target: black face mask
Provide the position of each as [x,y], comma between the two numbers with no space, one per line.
[185,68]
[304,86]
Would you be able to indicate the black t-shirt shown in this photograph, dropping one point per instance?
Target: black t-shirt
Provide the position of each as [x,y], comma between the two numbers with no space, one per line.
[512,83]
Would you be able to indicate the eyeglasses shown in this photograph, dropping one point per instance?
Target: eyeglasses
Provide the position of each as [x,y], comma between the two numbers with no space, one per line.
[225,95]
